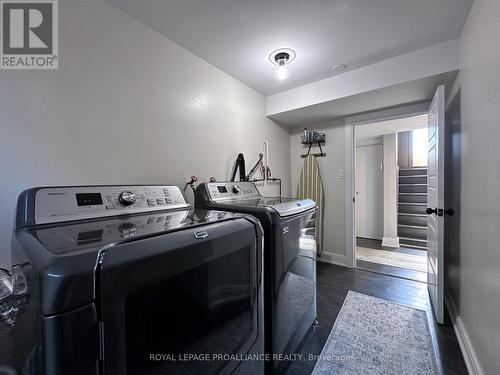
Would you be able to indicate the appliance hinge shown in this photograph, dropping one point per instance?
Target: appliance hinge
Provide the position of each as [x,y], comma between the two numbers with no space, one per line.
[100,259]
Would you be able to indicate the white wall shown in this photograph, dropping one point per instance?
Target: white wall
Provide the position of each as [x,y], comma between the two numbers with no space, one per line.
[369,191]
[479,285]
[333,185]
[390,191]
[127,105]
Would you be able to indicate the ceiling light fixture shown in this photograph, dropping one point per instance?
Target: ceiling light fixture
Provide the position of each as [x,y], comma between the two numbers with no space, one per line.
[282,72]
[282,58]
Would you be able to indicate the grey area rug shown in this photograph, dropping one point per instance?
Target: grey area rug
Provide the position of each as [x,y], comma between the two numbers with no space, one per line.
[392,258]
[375,336]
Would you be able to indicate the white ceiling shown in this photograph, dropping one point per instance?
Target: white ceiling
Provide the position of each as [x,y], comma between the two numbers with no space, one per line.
[377,129]
[409,92]
[238,35]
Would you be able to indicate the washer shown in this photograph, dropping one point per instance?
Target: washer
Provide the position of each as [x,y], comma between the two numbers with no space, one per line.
[131,280]
[289,260]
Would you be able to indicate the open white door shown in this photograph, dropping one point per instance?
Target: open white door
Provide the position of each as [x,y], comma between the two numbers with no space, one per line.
[435,204]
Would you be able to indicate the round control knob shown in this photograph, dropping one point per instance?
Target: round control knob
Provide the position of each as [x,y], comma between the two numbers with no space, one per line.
[236,189]
[127,198]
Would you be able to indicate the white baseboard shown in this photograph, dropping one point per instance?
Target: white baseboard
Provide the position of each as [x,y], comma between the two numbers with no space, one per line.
[390,241]
[470,358]
[332,258]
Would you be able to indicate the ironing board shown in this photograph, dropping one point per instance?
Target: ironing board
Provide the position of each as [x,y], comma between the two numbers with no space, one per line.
[310,186]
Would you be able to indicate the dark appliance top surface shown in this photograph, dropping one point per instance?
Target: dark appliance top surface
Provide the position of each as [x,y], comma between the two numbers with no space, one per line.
[91,236]
[245,197]
[65,256]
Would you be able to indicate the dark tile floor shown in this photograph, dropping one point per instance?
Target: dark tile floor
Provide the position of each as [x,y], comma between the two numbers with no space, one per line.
[390,270]
[333,284]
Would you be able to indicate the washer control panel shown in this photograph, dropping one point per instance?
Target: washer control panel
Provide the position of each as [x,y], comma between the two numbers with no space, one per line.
[85,202]
[232,190]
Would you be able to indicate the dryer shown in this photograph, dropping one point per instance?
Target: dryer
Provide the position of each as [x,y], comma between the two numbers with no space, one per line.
[289,261]
[131,280]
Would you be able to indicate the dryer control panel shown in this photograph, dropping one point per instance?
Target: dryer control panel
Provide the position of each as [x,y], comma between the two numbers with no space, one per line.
[219,191]
[58,204]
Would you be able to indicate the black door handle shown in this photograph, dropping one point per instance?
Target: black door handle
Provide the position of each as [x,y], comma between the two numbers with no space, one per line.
[440,211]
[449,211]
[431,211]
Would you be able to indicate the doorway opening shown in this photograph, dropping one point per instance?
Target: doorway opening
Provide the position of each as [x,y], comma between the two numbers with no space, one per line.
[391,196]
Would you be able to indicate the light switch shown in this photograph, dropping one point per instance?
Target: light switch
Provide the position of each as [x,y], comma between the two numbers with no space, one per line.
[341,173]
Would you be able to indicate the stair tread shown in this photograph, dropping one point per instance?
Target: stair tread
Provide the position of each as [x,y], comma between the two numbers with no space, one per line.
[415,246]
[413,169]
[411,184]
[415,204]
[412,239]
[413,193]
[413,175]
[412,226]
[412,214]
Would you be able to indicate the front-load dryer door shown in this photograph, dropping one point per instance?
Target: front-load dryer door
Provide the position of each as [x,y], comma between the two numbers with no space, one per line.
[182,302]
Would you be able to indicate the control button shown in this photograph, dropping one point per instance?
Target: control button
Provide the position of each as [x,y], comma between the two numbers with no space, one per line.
[127,198]
[160,201]
[151,202]
[236,189]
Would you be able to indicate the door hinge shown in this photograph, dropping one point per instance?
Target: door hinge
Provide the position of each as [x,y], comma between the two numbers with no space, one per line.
[353,199]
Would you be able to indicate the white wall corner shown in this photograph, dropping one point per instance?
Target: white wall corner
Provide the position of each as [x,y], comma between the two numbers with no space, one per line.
[349,208]
[468,352]
[390,241]
[332,258]
[390,186]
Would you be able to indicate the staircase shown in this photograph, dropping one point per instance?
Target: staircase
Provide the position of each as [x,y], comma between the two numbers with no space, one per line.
[412,202]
